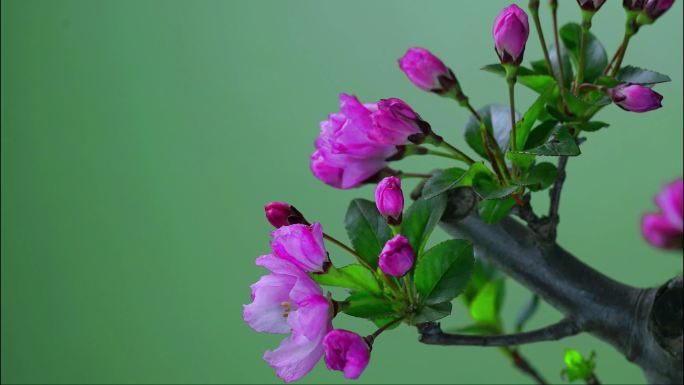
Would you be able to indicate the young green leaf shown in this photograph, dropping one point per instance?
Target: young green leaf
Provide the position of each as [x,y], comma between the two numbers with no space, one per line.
[540,176]
[486,306]
[367,229]
[590,126]
[354,277]
[432,313]
[443,272]
[364,305]
[559,143]
[493,210]
[453,177]
[420,219]
[595,57]
[577,367]
[524,126]
[636,75]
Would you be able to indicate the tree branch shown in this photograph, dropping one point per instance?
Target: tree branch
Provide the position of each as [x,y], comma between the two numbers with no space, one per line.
[432,334]
[555,194]
[631,319]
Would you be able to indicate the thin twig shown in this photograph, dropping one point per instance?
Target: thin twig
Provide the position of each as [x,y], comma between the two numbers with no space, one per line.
[555,194]
[522,364]
[432,334]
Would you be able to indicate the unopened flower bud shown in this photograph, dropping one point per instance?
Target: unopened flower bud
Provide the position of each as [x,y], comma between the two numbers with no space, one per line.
[635,98]
[653,9]
[390,199]
[633,5]
[428,72]
[394,122]
[510,32]
[347,352]
[396,257]
[283,214]
[591,5]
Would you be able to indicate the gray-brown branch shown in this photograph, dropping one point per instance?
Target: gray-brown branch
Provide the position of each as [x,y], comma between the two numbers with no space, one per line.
[644,324]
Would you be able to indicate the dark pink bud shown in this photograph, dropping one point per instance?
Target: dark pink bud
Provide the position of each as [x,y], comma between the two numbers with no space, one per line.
[396,257]
[510,32]
[394,122]
[665,229]
[591,5]
[635,98]
[633,5]
[655,8]
[283,214]
[390,199]
[424,69]
[347,352]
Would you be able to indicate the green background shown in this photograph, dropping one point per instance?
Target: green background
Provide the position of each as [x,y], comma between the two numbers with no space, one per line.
[140,140]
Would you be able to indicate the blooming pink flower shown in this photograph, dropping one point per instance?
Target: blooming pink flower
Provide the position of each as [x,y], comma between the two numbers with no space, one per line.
[347,352]
[397,257]
[591,5]
[302,245]
[665,229]
[510,32]
[389,198]
[345,155]
[394,122]
[635,98]
[423,68]
[289,300]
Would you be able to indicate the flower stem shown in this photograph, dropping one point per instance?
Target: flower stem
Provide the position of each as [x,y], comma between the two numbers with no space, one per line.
[458,154]
[442,154]
[620,54]
[586,26]
[556,42]
[408,288]
[540,33]
[371,338]
[413,175]
[350,250]
[491,148]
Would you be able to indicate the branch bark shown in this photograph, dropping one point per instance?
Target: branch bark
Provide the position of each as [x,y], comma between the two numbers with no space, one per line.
[645,325]
[432,334]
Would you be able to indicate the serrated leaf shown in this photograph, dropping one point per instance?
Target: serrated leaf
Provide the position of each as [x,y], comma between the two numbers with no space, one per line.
[354,277]
[451,178]
[540,176]
[560,142]
[595,57]
[420,219]
[540,134]
[366,229]
[497,120]
[493,210]
[636,75]
[364,305]
[443,272]
[486,306]
[432,313]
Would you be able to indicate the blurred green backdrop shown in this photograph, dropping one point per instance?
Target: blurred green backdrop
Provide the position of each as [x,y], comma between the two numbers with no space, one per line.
[140,140]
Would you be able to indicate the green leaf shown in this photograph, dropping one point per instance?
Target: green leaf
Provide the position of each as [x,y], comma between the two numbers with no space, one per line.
[606,81]
[483,272]
[524,126]
[443,272]
[354,277]
[486,306]
[380,322]
[595,57]
[367,229]
[364,305]
[488,188]
[453,177]
[499,69]
[577,367]
[420,219]
[590,126]
[531,79]
[540,65]
[540,176]
[540,134]
[494,210]
[523,161]
[497,120]
[432,313]
[559,143]
[636,75]
[576,105]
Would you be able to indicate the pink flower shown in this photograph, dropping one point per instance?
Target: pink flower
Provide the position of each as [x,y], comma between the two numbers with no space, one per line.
[347,352]
[389,198]
[289,300]
[424,69]
[396,258]
[665,229]
[635,98]
[510,32]
[302,245]
[345,155]
[394,122]
[591,5]
[656,8]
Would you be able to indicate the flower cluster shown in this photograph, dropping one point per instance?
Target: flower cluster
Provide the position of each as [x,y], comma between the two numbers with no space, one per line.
[664,229]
